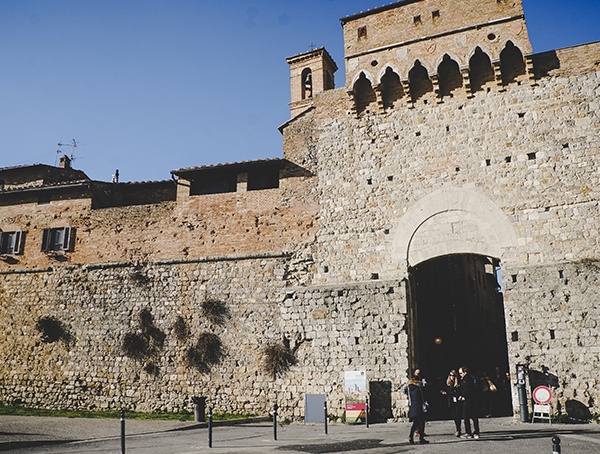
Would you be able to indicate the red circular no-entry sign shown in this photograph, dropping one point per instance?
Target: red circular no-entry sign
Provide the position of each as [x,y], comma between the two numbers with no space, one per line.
[542,395]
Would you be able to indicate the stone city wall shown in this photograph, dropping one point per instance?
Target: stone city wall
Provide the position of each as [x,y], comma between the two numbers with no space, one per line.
[330,329]
[532,152]
[552,317]
[344,327]
[98,305]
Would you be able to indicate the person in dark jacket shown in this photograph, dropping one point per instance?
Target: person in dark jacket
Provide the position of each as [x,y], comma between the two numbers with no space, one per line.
[416,410]
[452,392]
[469,395]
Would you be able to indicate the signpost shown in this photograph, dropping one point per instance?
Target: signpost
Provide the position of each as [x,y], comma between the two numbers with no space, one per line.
[542,395]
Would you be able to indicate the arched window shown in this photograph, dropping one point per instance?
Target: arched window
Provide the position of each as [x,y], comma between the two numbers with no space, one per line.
[480,70]
[419,81]
[391,88]
[363,93]
[307,85]
[449,76]
[512,63]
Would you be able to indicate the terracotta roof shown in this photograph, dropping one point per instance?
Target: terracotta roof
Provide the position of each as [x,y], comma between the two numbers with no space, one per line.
[230,165]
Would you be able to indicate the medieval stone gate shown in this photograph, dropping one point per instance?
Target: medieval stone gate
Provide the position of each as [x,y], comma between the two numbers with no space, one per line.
[451,147]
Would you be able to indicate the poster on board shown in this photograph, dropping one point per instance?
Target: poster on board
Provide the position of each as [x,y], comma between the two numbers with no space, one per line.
[355,393]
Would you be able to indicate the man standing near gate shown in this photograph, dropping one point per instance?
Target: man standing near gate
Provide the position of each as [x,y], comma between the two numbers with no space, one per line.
[470,395]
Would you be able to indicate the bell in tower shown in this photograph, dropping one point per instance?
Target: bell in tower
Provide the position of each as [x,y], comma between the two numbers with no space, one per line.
[307,78]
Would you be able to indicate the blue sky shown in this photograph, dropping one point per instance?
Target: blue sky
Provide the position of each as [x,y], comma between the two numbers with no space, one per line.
[149,86]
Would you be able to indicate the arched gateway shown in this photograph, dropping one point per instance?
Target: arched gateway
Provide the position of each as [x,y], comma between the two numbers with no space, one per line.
[452,243]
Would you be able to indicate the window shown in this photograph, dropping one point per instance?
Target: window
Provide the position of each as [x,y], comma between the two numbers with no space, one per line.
[44,198]
[417,20]
[216,182]
[362,32]
[11,242]
[264,178]
[58,239]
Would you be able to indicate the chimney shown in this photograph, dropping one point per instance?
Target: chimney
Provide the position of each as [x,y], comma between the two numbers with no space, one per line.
[65,162]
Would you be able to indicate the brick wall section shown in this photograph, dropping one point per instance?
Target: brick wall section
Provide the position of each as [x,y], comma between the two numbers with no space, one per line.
[212,225]
[578,59]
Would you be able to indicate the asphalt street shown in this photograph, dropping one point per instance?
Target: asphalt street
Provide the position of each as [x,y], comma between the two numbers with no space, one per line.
[498,435]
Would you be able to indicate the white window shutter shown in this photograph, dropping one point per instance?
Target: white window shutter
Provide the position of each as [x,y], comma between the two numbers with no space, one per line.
[18,242]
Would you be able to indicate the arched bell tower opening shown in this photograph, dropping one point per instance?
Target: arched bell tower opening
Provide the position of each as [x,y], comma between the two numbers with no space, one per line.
[456,312]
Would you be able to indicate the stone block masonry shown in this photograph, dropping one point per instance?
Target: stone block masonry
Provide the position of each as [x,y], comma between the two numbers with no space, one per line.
[360,326]
[325,261]
[98,305]
[552,323]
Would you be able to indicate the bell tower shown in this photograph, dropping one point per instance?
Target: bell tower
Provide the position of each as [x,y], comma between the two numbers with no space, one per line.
[310,73]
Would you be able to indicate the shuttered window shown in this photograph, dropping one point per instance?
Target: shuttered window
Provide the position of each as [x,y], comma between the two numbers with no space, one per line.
[58,239]
[12,242]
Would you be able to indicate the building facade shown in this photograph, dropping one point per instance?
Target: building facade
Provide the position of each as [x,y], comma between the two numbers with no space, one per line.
[439,210]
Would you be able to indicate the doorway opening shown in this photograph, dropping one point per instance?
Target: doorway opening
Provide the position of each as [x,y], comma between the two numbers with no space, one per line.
[456,318]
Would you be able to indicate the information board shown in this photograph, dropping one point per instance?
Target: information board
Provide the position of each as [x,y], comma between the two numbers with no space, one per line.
[355,391]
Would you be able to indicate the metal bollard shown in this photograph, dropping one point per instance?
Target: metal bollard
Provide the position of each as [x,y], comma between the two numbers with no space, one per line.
[199,408]
[325,409]
[555,445]
[275,422]
[210,427]
[367,413]
[122,431]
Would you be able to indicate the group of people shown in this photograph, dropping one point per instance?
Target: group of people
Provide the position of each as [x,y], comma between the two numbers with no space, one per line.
[464,401]
[467,394]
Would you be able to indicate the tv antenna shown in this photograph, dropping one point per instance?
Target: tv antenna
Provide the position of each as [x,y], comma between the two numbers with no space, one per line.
[60,150]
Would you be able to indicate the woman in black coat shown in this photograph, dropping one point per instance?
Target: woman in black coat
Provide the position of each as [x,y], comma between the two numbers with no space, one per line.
[452,392]
[416,410]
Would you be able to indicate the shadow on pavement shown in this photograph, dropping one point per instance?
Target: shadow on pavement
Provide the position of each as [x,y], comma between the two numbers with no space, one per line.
[346,446]
[7,446]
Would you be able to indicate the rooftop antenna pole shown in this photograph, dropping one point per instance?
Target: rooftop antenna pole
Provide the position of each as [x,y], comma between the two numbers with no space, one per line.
[73,144]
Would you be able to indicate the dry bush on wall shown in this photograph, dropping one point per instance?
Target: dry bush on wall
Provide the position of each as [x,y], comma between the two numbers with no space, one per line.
[181,329]
[215,311]
[145,344]
[52,330]
[154,335]
[278,359]
[207,352]
[135,346]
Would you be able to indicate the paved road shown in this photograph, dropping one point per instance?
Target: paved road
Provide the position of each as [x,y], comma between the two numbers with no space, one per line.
[29,435]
